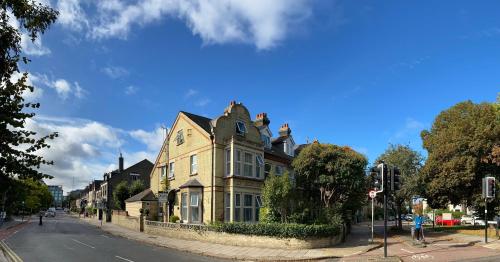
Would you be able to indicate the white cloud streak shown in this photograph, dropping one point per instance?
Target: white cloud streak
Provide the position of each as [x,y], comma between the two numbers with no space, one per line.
[261,23]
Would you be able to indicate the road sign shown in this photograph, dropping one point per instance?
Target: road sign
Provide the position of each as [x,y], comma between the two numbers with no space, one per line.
[163,197]
[372,193]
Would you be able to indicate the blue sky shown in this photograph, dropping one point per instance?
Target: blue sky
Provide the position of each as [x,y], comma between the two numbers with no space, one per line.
[358,73]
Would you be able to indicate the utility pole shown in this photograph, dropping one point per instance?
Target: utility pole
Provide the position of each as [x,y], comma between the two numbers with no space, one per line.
[385,208]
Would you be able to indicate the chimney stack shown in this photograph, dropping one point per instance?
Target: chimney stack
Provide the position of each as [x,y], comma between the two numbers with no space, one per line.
[262,120]
[120,163]
[285,130]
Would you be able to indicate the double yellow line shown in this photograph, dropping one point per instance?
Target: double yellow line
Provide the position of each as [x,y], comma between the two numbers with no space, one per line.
[9,253]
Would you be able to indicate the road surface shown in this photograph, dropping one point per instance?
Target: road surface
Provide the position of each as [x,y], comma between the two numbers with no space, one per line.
[64,238]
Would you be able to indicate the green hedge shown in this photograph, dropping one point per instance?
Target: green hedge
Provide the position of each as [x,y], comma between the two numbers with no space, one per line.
[278,229]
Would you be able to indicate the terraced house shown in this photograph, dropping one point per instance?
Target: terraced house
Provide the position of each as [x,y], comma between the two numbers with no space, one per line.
[216,167]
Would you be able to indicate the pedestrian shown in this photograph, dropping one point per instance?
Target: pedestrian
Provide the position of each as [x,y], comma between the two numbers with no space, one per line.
[41,216]
[418,225]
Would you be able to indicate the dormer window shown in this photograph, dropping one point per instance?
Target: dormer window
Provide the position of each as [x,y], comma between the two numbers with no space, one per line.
[180,137]
[289,148]
[266,140]
[241,129]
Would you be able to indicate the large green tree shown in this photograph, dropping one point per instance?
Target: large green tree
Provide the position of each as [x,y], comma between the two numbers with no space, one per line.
[276,197]
[459,143]
[136,187]
[332,176]
[120,194]
[409,162]
[18,146]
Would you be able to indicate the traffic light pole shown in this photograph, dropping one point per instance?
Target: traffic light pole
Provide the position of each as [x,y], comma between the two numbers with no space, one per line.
[485,220]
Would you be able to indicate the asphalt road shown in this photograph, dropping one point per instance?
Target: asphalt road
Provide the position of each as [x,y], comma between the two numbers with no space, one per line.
[66,239]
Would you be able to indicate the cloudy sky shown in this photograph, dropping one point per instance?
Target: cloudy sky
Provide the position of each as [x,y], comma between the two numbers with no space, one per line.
[110,73]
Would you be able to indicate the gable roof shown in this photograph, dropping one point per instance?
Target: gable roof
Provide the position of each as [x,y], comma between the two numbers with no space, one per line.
[146,195]
[202,121]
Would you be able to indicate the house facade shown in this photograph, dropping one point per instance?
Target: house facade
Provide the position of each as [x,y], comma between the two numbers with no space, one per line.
[216,168]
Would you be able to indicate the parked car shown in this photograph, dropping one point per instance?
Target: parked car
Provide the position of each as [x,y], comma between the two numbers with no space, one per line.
[409,217]
[452,222]
[51,212]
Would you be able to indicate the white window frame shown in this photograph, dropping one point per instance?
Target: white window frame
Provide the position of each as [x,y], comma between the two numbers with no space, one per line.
[248,207]
[171,169]
[248,166]
[258,206]
[227,155]
[194,206]
[259,164]
[184,207]
[163,171]
[266,140]
[241,128]
[280,168]
[193,160]
[227,207]
[237,208]
[238,163]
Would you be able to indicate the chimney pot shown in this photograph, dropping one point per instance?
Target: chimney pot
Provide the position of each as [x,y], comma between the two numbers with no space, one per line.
[232,103]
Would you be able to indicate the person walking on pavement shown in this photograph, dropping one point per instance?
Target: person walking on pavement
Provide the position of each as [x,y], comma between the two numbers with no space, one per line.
[418,225]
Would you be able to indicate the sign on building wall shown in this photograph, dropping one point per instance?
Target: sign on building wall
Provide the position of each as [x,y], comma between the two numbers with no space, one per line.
[163,197]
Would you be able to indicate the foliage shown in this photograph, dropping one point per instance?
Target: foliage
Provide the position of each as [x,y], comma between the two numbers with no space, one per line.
[174,219]
[28,196]
[19,146]
[331,176]
[136,187]
[281,230]
[120,194]
[276,195]
[460,140]
[409,162]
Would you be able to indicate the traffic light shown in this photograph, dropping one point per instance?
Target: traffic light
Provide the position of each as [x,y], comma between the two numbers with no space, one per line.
[376,178]
[489,187]
[395,179]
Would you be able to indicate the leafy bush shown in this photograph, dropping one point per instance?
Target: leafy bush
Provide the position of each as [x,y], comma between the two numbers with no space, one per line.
[174,219]
[278,229]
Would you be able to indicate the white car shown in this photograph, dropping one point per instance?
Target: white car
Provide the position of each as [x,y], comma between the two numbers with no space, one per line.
[471,220]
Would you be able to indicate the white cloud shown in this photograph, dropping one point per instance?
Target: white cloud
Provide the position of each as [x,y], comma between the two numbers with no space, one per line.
[130,90]
[86,149]
[115,71]
[153,140]
[261,23]
[190,93]
[202,102]
[71,14]
[410,131]
[63,87]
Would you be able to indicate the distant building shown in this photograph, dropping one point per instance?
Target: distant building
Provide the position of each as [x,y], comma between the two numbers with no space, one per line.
[57,196]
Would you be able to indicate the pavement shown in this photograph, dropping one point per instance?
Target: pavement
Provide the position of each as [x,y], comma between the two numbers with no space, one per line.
[64,238]
[356,243]
[439,246]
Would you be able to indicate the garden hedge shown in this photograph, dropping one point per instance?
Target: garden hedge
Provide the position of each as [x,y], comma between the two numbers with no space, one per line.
[278,229]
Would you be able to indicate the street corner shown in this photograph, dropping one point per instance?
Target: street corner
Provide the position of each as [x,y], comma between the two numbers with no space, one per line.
[7,252]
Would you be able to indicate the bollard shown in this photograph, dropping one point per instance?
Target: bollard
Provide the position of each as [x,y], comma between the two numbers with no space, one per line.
[40,223]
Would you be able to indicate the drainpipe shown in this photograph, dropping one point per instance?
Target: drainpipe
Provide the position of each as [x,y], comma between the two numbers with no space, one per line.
[212,137]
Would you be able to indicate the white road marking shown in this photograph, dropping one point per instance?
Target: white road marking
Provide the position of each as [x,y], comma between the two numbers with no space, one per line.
[407,251]
[82,243]
[105,236]
[124,259]
[355,253]
[421,257]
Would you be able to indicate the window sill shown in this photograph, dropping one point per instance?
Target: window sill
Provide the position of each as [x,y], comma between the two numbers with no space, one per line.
[246,178]
[194,174]
[171,178]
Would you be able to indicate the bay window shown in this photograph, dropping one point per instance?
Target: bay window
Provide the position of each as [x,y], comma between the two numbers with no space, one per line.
[227,207]
[228,162]
[247,171]
[258,204]
[247,207]
[237,207]
[194,207]
[259,163]
[237,163]
[184,206]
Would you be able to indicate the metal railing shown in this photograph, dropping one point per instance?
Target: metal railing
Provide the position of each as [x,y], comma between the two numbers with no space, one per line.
[197,227]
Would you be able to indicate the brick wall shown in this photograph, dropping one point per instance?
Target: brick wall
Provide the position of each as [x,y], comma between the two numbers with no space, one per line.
[121,218]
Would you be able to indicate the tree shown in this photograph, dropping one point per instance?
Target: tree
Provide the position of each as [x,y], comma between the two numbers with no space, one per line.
[276,195]
[409,162]
[333,176]
[136,187]
[18,146]
[459,140]
[120,194]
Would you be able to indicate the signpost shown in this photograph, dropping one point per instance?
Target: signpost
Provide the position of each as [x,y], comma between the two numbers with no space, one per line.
[372,195]
[488,193]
